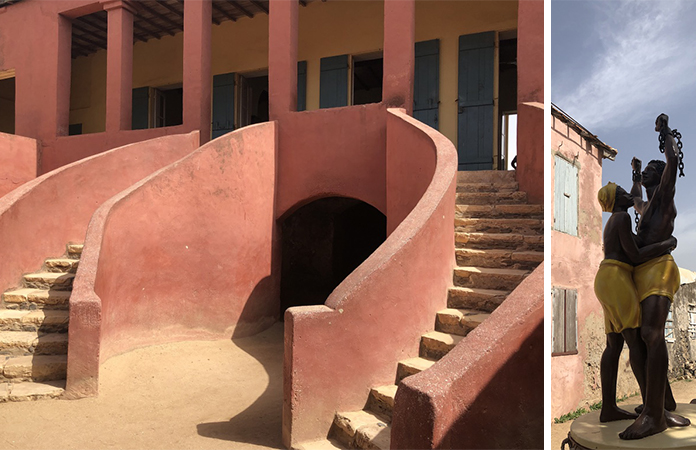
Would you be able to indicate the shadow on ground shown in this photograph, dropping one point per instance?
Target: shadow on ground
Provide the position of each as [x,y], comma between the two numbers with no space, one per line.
[261,423]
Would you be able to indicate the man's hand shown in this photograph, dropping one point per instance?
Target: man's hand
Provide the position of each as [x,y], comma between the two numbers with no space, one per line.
[636,164]
[661,122]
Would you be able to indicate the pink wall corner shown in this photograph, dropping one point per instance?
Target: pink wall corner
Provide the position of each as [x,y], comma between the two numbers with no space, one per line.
[488,391]
[19,159]
[332,152]
[530,150]
[368,324]
[39,218]
[195,242]
[530,51]
[574,265]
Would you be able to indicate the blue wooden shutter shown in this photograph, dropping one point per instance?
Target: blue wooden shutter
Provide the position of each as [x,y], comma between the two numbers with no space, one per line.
[333,82]
[476,74]
[565,196]
[141,108]
[223,104]
[426,89]
[301,85]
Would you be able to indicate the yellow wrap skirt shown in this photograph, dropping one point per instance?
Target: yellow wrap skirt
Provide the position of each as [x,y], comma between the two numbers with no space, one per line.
[659,276]
[616,292]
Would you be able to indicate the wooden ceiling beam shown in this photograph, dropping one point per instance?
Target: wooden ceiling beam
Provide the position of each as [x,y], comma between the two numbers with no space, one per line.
[223,12]
[177,26]
[303,3]
[171,8]
[259,5]
[240,8]
[89,41]
[103,28]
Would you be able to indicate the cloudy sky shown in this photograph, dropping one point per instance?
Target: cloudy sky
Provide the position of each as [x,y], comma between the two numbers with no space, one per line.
[616,65]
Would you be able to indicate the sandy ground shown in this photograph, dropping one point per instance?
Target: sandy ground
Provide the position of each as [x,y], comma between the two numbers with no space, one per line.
[684,391]
[189,395]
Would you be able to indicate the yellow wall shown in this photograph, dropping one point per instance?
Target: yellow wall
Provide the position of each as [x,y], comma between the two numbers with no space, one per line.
[325,29]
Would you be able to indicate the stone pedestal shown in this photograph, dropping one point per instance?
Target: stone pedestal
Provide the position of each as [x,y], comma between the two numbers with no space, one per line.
[588,433]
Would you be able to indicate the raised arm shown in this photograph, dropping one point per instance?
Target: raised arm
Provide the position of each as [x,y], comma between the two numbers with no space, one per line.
[630,248]
[669,176]
[637,188]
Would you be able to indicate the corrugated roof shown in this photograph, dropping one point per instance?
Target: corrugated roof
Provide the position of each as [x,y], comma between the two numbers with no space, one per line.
[607,151]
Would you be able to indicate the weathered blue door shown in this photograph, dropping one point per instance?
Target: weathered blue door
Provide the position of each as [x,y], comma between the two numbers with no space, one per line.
[223,104]
[301,85]
[476,72]
[141,108]
[333,81]
[426,85]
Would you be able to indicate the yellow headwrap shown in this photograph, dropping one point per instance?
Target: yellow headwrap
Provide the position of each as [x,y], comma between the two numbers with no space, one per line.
[607,196]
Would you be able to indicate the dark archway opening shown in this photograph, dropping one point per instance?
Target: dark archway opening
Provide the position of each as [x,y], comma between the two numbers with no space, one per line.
[323,242]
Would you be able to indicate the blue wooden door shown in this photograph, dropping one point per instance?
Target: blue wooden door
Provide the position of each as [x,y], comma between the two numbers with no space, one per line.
[426,85]
[333,81]
[141,108]
[476,72]
[223,104]
[301,85]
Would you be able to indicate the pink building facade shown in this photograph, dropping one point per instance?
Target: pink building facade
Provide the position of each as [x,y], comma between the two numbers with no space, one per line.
[203,217]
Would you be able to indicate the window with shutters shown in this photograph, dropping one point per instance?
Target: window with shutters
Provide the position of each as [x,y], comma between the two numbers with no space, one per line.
[565,196]
[564,322]
[692,321]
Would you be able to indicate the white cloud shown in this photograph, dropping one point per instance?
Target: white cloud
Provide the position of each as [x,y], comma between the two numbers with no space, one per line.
[646,55]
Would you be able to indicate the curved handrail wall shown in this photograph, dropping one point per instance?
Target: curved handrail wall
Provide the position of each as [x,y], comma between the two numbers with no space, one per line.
[335,352]
[186,253]
[40,217]
[488,391]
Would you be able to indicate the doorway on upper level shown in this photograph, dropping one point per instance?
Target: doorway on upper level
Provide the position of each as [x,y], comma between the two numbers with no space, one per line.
[7,102]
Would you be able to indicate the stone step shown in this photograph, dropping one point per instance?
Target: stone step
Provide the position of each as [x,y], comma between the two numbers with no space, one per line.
[37,320]
[491,198]
[49,280]
[19,343]
[74,250]
[435,344]
[515,225]
[481,299]
[511,241]
[488,278]
[321,444]
[361,429]
[381,401]
[459,321]
[34,368]
[502,211]
[28,298]
[61,265]
[498,258]
[486,176]
[488,187]
[27,391]
[411,366]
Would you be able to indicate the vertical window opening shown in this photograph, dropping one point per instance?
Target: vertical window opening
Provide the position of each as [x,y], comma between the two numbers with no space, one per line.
[7,102]
[367,79]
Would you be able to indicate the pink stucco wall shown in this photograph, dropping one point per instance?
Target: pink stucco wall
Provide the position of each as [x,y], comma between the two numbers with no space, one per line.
[574,263]
[530,150]
[185,253]
[19,158]
[487,392]
[337,151]
[376,315]
[39,218]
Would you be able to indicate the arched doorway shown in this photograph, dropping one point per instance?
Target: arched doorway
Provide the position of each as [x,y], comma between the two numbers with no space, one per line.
[322,243]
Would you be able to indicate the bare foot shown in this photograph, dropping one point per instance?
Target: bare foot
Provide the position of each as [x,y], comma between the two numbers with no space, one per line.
[610,414]
[644,426]
[674,420]
[669,406]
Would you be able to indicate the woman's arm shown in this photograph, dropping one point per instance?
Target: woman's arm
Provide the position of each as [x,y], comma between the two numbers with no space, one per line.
[630,248]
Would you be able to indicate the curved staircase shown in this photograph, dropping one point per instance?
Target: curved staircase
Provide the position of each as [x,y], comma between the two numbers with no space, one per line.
[34,331]
[499,240]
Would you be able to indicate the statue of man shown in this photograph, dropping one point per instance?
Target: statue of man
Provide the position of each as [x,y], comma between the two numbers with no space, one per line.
[656,280]
[617,293]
